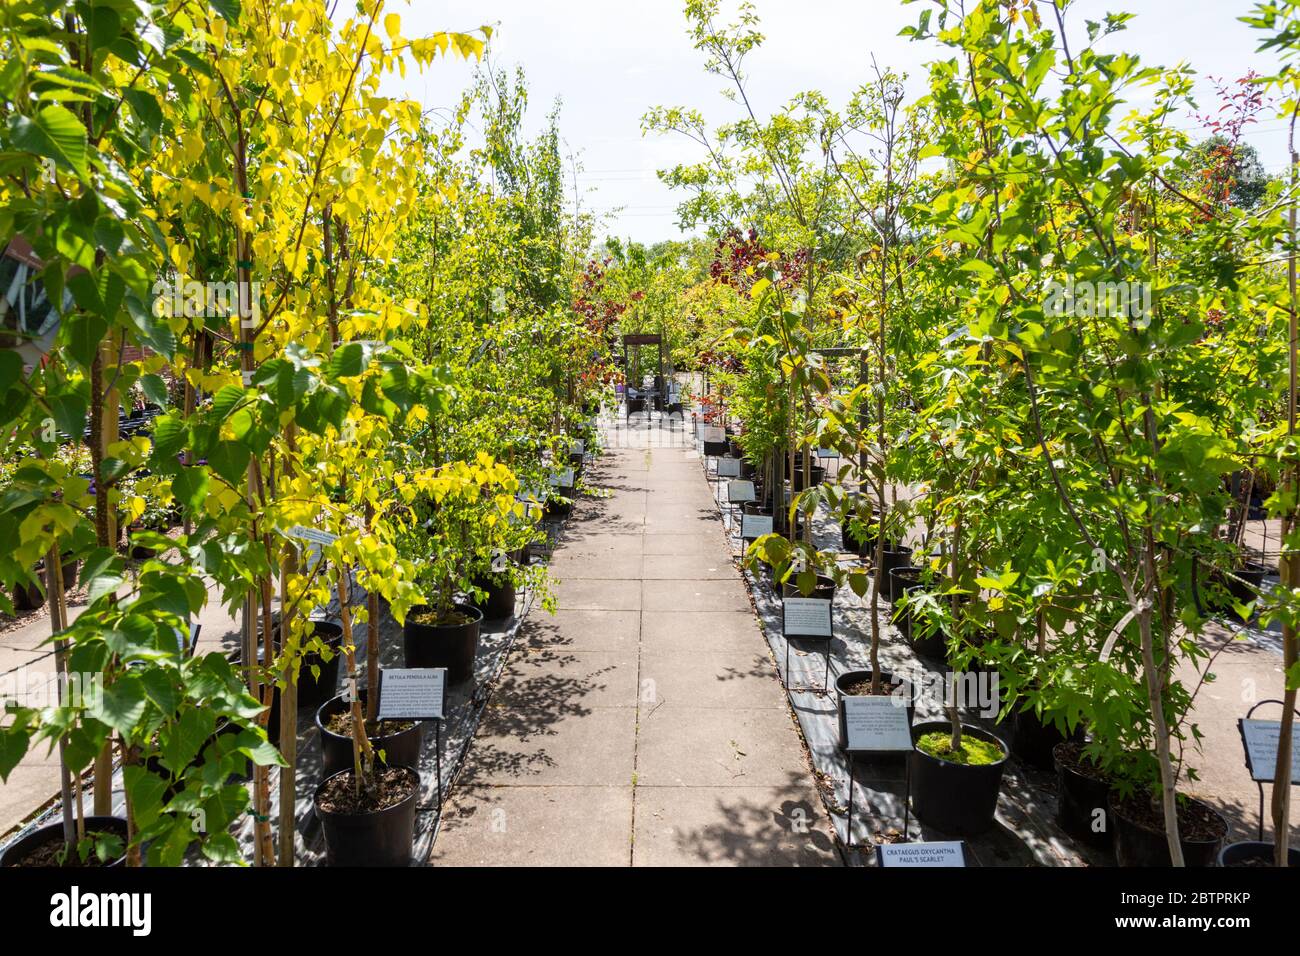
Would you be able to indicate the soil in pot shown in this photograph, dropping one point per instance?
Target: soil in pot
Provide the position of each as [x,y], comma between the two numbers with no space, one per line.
[451,642]
[858,684]
[899,579]
[374,828]
[44,847]
[956,792]
[1140,831]
[1253,853]
[823,589]
[399,740]
[1083,791]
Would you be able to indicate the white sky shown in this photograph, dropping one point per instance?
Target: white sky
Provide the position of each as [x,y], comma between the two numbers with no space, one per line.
[610,60]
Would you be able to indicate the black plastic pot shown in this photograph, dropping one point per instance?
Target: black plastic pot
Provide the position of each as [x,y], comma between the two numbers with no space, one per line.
[1033,739]
[53,833]
[382,838]
[499,604]
[1255,853]
[896,556]
[27,597]
[1243,586]
[453,646]
[849,678]
[401,749]
[823,589]
[897,580]
[1138,845]
[927,640]
[555,508]
[153,763]
[1082,807]
[955,798]
[312,691]
[818,475]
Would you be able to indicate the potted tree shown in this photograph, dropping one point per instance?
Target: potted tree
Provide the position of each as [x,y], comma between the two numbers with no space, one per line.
[461,515]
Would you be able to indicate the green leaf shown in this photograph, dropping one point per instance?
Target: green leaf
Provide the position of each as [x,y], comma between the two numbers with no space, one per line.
[121,704]
[83,334]
[146,791]
[229,459]
[155,389]
[348,361]
[55,133]
[191,486]
[14,741]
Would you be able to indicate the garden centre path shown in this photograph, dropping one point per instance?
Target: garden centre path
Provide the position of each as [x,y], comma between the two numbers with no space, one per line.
[643,723]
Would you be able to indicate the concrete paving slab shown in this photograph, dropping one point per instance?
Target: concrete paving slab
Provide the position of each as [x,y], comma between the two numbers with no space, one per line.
[552,743]
[536,826]
[753,747]
[694,595]
[726,826]
[613,631]
[707,681]
[583,679]
[589,594]
[700,567]
[598,566]
[700,632]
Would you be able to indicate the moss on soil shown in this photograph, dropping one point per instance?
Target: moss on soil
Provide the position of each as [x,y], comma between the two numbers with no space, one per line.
[974,752]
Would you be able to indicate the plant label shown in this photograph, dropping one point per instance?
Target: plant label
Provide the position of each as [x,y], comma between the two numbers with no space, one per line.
[806,617]
[563,479]
[755,526]
[414,693]
[877,724]
[579,447]
[827,453]
[739,492]
[314,535]
[728,467]
[714,434]
[939,853]
[1260,738]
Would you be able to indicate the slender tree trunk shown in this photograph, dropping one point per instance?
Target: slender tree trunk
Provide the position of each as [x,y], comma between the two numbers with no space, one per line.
[1287,565]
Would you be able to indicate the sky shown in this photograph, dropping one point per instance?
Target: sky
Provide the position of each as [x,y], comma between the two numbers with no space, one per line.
[609,61]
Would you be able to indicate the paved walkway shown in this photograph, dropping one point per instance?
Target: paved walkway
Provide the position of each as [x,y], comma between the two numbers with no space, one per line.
[643,723]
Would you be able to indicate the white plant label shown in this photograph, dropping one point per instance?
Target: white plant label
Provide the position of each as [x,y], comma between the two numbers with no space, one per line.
[755,526]
[807,617]
[714,434]
[1261,738]
[877,723]
[939,853]
[498,561]
[563,479]
[414,693]
[579,447]
[827,453]
[728,467]
[739,492]
[314,535]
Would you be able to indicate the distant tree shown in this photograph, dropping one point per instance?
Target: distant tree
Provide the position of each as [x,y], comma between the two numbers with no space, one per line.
[1229,173]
